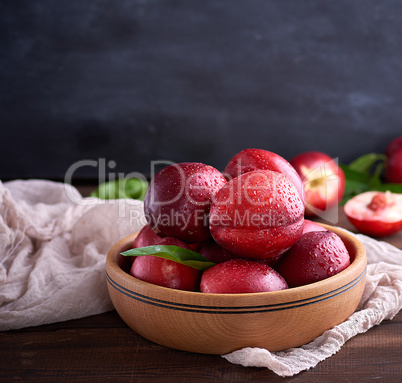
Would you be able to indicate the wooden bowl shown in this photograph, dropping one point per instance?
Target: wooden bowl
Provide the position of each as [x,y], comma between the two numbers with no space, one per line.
[222,323]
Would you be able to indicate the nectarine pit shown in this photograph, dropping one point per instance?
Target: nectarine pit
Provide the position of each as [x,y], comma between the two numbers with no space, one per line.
[379,202]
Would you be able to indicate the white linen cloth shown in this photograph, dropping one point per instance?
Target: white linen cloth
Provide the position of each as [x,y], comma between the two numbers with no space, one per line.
[382,299]
[53,245]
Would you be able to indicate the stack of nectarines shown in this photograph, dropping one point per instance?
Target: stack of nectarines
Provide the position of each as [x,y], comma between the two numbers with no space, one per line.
[247,220]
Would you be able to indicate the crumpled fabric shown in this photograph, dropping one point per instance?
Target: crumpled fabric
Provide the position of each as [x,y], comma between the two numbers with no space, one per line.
[382,299]
[53,246]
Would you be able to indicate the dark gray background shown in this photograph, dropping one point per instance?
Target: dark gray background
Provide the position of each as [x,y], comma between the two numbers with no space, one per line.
[136,81]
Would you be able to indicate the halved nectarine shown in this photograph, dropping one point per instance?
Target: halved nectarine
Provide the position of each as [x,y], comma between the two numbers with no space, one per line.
[376,214]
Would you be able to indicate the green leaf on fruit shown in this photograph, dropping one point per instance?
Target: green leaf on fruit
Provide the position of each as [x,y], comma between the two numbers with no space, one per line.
[174,253]
[365,174]
[133,188]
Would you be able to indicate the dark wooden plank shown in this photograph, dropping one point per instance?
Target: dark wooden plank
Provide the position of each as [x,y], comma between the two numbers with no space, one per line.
[93,348]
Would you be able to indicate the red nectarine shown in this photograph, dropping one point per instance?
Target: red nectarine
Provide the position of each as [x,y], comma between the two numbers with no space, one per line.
[259,159]
[257,215]
[376,214]
[317,255]
[241,276]
[178,200]
[164,272]
[323,180]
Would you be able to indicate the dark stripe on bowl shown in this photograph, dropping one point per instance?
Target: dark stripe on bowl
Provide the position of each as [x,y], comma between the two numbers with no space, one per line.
[234,310]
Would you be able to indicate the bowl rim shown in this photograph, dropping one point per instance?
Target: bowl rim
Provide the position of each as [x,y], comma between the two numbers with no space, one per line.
[327,285]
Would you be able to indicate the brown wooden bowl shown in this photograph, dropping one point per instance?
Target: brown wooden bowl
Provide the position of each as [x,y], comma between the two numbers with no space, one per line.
[222,323]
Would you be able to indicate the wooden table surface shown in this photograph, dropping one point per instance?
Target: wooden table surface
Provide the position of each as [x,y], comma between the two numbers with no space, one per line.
[102,348]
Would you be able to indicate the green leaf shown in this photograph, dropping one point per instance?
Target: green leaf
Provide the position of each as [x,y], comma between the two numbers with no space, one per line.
[365,163]
[355,183]
[393,188]
[173,253]
[354,175]
[136,188]
[364,174]
[122,188]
